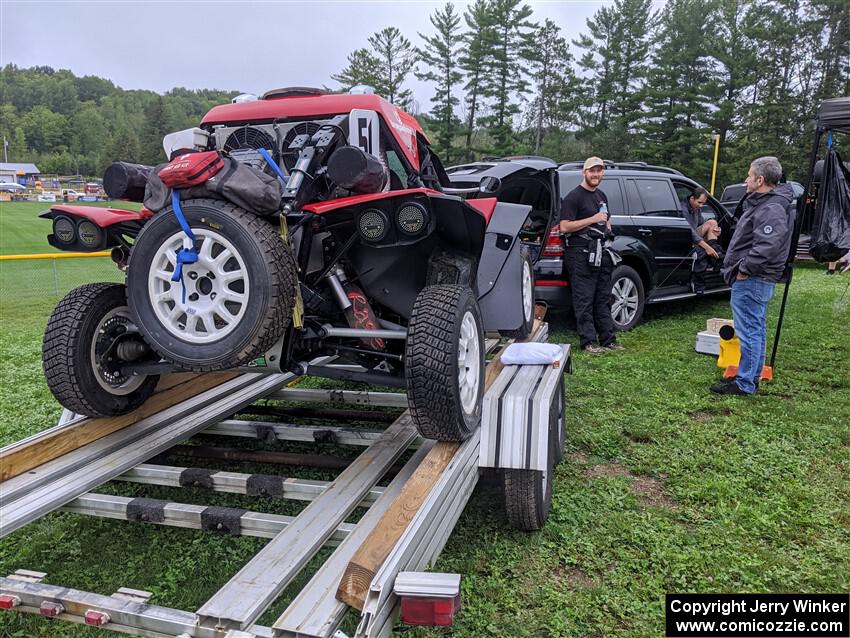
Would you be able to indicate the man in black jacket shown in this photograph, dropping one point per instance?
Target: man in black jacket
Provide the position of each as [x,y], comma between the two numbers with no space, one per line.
[755,260]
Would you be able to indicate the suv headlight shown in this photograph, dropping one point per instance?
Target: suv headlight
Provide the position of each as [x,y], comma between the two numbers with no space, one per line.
[411,218]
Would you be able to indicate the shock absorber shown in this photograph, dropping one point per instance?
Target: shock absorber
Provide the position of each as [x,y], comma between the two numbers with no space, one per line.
[353,302]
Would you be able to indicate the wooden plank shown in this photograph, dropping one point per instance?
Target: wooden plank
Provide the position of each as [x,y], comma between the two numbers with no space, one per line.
[16,460]
[371,554]
[369,557]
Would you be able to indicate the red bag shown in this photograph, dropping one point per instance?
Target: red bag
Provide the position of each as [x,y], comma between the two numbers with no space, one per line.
[191,169]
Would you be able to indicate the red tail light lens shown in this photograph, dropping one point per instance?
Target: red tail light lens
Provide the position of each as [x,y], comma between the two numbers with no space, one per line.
[553,247]
[432,612]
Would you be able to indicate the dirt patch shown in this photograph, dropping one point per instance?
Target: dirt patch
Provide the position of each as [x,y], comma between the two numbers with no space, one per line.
[574,578]
[704,416]
[578,457]
[638,438]
[608,470]
[651,493]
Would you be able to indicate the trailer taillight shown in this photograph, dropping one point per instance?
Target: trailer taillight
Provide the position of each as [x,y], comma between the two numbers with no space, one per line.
[96,618]
[553,247]
[7,601]
[430,599]
[50,609]
[434,612]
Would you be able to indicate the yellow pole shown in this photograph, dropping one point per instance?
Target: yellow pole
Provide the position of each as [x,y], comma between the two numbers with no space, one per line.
[714,165]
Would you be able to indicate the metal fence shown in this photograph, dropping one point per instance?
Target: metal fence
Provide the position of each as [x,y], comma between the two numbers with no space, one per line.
[30,285]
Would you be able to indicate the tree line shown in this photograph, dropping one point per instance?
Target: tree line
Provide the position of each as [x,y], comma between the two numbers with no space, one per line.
[642,82]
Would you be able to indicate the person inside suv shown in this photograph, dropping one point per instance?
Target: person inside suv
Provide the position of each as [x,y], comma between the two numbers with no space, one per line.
[707,248]
[585,222]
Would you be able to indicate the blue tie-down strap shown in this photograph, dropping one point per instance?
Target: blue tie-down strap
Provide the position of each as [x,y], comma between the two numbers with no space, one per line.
[187,254]
[270,161]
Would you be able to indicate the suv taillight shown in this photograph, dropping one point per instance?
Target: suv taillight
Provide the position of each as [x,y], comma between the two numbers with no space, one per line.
[553,247]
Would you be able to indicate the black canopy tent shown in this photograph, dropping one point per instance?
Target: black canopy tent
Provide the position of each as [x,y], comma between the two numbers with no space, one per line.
[833,117]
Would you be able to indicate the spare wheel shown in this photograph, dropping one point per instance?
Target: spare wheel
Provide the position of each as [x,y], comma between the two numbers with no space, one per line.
[231,305]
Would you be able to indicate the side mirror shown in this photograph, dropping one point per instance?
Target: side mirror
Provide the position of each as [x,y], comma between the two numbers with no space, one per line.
[490,185]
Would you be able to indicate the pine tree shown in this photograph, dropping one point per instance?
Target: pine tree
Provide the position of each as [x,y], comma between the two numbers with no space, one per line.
[556,86]
[505,80]
[156,127]
[477,43]
[385,67]
[675,131]
[439,56]
[361,70]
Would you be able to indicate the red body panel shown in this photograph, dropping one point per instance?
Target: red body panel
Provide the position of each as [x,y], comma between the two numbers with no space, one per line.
[404,127]
[485,206]
[104,217]
[320,208]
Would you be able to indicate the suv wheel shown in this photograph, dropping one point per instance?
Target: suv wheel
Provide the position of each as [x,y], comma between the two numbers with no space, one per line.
[627,297]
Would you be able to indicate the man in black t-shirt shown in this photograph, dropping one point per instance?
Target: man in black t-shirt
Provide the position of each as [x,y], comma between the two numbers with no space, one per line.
[585,222]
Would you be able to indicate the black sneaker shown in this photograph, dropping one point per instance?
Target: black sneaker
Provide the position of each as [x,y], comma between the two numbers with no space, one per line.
[730,389]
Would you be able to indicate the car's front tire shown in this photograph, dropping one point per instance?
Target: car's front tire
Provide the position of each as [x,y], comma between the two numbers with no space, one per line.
[444,363]
[79,353]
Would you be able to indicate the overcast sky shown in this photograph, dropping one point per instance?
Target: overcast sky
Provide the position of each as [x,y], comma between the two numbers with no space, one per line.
[248,46]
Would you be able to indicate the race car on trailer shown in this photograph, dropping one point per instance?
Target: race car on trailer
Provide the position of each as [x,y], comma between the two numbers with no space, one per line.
[365,254]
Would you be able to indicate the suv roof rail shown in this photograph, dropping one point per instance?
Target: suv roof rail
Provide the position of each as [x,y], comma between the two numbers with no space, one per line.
[630,166]
[509,158]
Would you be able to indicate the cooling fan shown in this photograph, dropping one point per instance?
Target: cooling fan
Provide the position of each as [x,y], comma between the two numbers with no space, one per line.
[242,145]
[301,128]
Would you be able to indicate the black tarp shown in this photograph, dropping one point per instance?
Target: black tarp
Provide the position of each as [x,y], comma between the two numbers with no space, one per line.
[834,114]
[831,230]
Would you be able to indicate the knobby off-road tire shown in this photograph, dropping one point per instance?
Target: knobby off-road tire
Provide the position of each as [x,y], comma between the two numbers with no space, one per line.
[527,287]
[83,317]
[528,493]
[239,295]
[444,363]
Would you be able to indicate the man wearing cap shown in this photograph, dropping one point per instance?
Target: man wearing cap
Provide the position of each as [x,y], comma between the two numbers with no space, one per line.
[584,221]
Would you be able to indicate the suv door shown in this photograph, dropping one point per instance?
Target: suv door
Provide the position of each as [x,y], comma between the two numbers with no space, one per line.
[658,221]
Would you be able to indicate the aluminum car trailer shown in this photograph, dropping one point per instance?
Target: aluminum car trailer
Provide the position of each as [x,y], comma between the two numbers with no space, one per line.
[377,565]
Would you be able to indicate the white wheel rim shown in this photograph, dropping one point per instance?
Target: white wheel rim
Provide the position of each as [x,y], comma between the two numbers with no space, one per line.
[217,288]
[527,292]
[131,383]
[468,363]
[625,305]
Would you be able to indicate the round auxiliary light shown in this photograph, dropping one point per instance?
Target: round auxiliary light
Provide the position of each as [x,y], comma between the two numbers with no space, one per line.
[90,234]
[372,224]
[411,218]
[64,230]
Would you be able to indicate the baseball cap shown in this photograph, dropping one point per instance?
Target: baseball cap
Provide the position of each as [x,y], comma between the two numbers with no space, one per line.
[590,162]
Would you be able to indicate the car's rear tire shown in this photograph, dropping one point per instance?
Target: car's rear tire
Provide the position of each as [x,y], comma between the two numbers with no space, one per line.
[76,341]
[242,263]
[444,363]
[527,287]
[628,297]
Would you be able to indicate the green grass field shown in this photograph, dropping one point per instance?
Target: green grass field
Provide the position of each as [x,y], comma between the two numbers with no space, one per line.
[666,488]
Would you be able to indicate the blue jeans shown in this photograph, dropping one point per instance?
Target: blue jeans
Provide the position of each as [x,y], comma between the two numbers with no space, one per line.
[750,298]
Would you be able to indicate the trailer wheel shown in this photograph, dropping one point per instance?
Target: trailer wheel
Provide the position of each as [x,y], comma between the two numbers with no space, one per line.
[527,288]
[444,363]
[238,295]
[79,340]
[528,493]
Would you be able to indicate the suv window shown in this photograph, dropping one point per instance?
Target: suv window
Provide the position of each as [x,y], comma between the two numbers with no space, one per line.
[567,182]
[657,197]
[733,193]
[611,187]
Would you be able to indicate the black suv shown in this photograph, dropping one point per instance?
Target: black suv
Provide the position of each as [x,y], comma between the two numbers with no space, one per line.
[652,235]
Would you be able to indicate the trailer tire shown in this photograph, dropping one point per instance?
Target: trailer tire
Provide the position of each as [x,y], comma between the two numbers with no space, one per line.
[445,333]
[71,367]
[240,291]
[527,287]
[528,493]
